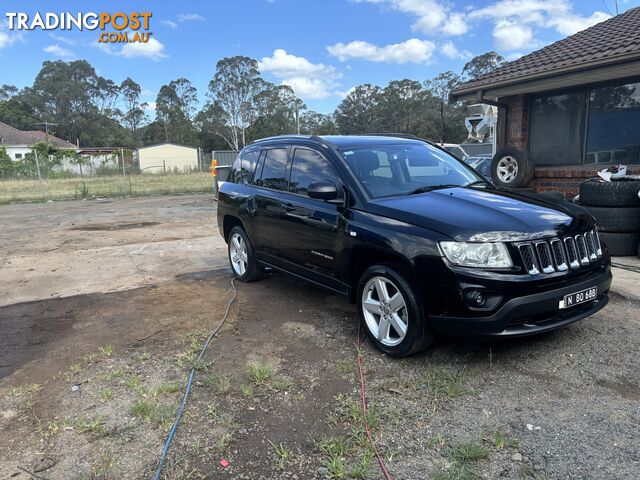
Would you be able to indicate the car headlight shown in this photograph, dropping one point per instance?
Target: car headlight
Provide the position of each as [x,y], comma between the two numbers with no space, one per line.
[467,254]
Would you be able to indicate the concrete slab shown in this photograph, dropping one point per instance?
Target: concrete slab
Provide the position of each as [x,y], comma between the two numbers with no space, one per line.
[626,277]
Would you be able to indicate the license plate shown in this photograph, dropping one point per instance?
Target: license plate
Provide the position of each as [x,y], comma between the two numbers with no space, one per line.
[577,298]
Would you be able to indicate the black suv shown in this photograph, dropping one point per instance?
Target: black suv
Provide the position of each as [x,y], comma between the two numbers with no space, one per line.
[421,241]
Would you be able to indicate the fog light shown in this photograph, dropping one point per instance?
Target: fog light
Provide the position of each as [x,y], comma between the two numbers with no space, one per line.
[479,299]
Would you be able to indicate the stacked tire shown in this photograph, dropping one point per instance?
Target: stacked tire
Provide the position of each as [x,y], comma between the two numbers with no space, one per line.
[616,208]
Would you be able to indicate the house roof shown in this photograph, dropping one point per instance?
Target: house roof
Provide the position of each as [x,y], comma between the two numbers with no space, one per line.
[613,41]
[13,136]
[167,144]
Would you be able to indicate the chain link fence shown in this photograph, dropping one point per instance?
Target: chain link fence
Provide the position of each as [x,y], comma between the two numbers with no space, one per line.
[108,173]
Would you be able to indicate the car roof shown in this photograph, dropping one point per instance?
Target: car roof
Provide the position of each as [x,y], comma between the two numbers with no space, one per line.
[348,141]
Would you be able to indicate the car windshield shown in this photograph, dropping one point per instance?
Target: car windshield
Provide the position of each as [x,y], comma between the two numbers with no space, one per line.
[390,170]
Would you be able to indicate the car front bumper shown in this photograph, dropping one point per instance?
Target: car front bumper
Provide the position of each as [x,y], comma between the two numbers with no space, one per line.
[530,314]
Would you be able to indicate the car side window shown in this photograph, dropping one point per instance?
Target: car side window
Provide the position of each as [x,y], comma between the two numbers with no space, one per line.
[274,170]
[309,166]
[244,167]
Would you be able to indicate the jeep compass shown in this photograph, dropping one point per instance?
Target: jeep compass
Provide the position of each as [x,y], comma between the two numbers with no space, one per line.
[420,241]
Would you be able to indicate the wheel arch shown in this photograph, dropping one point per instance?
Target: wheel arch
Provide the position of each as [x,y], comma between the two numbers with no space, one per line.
[364,257]
[228,222]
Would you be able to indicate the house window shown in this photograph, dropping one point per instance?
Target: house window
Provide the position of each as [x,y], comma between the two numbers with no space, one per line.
[557,128]
[18,156]
[614,125]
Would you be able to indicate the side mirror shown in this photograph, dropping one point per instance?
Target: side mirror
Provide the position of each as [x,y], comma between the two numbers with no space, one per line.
[322,190]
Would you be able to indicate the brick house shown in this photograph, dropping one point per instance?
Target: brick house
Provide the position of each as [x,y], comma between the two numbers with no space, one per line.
[572,106]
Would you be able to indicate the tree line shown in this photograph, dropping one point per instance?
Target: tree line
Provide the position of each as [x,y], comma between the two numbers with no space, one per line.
[240,106]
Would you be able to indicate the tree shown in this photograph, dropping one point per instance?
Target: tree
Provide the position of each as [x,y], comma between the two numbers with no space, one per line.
[232,92]
[277,112]
[134,115]
[174,106]
[404,107]
[481,65]
[7,92]
[440,87]
[314,123]
[358,112]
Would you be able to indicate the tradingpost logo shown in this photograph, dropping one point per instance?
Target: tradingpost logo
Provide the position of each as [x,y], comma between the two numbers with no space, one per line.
[116,27]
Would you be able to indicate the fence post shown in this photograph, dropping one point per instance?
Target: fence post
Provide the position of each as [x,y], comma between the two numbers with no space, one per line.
[200,169]
[124,174]
[164,166]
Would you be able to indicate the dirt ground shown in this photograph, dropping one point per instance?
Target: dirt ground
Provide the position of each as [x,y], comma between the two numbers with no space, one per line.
[104,306]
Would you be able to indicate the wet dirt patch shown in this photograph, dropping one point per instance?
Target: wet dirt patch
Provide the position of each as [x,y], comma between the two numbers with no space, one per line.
[91,227]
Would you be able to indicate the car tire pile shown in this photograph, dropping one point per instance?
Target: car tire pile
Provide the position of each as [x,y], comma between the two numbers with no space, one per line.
[616,208]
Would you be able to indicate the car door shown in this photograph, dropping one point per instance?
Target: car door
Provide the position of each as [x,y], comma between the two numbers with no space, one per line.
[265,206]
[309,229]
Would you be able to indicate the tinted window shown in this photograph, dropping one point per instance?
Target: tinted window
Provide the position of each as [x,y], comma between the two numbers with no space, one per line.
[399,169]
[614,124]
[557,127]
[244,166]
[308,167]
[274,170]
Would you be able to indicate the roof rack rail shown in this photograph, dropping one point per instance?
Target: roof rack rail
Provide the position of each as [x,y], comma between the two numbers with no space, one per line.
[403,135]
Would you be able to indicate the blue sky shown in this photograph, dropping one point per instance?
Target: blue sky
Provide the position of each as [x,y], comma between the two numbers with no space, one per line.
[321,48]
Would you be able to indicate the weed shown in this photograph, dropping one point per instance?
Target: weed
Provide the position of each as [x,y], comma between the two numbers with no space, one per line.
[436,441]
[220,382]
[115,375]
[336,468]
[164,389]
[441,383]
[27,390]
[144,356]
[55,427]
[458,472]
[247,390]
[198,364]
[106,394]
[345,366]
[90,425]
[143,409]
[259,372]
[106,350]
[501,439]
[281,384]
[470,452]
[107,465]
[362,469]
[332,446]
[282,452]
[76,368]
[223,442]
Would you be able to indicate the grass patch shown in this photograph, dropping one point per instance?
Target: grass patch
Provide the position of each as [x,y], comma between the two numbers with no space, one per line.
[115,375]
[143,409]
[246,390]
[219,382]
[502,439]
[458,472]
[282,384]
[144,356]
[260,372]
[106,350]
[283,454]
[470,452]
[93,426]
[345,367]
[106,394]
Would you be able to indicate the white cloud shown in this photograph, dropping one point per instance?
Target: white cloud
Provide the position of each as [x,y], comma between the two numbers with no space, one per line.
[63,39]
[8,37]
[517,17]
[153,49]
[451,51]
[151,106]
[190,17]
[570,24]
[308,80]
[509,35]
[432,16]
[60,52]
[169,23]
[411,51]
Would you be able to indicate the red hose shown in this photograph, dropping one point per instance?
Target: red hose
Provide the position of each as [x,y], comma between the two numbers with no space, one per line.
[387,476]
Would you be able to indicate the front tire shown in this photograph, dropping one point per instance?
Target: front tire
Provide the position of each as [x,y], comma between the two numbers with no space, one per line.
[390,312]
[242,257]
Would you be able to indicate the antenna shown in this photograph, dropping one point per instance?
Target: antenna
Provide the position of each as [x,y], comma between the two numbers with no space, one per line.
[47,125]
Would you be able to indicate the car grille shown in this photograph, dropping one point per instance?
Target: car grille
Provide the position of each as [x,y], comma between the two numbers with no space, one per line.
[560,254]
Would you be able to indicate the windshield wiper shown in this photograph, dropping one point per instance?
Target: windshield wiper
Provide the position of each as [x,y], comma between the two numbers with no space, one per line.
[431,188]
[478,182]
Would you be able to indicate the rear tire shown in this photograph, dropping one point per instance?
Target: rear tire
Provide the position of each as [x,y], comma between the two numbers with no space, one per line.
[242,257]
[391,313]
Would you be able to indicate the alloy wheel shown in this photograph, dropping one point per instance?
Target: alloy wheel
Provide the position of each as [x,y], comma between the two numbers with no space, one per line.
[507,169]
[238,254]
[385,311]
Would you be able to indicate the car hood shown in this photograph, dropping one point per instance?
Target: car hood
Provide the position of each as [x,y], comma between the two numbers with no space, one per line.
[486,214]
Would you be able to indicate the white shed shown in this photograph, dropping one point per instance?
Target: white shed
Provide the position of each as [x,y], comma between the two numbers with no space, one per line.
[167,158]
